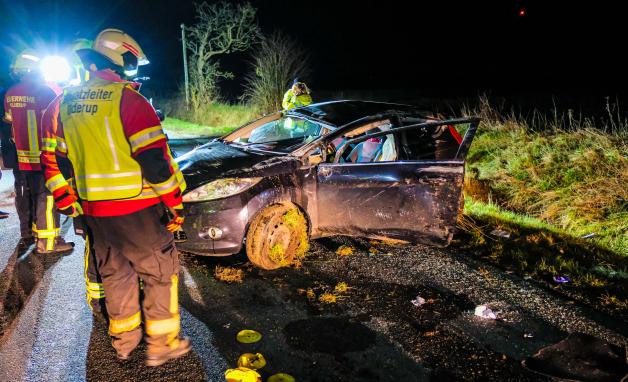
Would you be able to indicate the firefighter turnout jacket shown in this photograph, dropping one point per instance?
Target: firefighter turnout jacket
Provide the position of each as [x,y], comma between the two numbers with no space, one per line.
[104,146]
[24,105]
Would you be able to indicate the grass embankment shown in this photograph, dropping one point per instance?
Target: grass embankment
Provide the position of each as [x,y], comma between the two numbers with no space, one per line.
[211,120]
[560,193]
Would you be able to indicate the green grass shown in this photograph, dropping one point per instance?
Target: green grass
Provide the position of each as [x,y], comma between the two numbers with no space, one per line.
[177,128]
[542,250]
[574,180]
[210,120]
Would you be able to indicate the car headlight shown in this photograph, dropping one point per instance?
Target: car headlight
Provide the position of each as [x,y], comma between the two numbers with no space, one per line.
[220,188]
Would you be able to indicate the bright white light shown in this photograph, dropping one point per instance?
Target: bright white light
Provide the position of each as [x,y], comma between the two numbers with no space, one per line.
[130,73]
[55,69]
[30,57]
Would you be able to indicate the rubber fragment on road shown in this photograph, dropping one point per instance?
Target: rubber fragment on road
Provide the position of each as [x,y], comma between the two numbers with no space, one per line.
[242,374]
[252,361]
[247,336]
[281,377]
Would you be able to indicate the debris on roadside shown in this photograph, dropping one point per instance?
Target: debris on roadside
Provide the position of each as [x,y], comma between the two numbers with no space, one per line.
[528,335]
[342,287]
[248,336]
[484,312]
[373,251]
[252,361]
[229,274]
[281,377]
[328,298]
[242,374]
[561,279]
[418,301]
[588,236]
[430,334]
[345,250]
[501,233]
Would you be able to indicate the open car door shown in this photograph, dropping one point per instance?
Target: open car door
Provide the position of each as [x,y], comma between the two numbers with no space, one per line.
[407,199]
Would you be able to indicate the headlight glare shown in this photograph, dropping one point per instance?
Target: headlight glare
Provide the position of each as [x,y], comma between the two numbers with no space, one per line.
[55,69]
[220,188]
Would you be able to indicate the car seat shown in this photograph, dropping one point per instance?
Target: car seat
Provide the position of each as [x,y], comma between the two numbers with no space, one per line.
[366,151]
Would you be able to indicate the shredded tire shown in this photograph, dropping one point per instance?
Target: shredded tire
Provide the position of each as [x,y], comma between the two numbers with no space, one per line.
[277,236]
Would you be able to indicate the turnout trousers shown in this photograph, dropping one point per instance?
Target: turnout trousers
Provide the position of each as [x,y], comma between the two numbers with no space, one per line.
[127,248]
[95,292]
[35,207]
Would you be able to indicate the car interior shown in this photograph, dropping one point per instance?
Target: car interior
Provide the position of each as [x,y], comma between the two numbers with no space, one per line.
[422,143]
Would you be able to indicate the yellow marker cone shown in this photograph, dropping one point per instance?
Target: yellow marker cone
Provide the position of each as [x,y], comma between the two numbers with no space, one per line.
[242,374]
[248,336]
[252,361]
[281,377]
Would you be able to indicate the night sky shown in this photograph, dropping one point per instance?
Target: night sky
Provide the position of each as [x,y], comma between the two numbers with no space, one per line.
[437,48]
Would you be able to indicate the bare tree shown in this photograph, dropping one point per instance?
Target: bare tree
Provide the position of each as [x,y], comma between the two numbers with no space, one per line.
[220,28]
[278,60]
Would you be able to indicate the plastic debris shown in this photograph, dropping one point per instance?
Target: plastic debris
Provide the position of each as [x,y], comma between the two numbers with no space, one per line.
[501,233]
[281,377]
[252,361]
[484,312]
[418,301]
[528,335]
[588,236]
[242,374]
[342,287]
[561,279]
[247,336]
[344,250]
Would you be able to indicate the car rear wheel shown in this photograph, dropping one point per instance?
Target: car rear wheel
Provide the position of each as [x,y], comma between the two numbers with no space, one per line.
[277,236]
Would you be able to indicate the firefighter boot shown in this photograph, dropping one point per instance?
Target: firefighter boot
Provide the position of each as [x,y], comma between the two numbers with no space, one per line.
[179,348]
[60,247]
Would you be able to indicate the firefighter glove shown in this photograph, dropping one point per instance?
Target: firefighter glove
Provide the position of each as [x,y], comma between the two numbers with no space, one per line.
[176,218]
[73,210]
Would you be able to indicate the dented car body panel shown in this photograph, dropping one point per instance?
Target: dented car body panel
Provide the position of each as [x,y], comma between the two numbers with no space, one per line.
[413,198]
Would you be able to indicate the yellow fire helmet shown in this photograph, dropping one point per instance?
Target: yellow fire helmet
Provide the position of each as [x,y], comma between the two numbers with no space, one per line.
[118,48]
[25,62]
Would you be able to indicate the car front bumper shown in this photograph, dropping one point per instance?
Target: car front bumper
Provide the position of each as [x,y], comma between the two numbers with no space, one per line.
[215,227]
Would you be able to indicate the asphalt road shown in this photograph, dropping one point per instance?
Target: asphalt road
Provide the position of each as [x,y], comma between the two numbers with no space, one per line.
[372,332]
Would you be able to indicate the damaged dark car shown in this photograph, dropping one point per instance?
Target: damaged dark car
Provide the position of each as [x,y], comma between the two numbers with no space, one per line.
[370,169]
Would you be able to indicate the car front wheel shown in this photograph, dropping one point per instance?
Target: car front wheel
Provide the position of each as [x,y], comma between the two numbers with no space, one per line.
[277,236]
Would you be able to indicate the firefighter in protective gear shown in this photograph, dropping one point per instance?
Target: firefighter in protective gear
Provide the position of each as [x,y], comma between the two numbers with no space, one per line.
[297,96]
[111,140]
[24,104]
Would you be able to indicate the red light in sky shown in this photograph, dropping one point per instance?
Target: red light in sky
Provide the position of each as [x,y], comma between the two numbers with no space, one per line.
[522,12]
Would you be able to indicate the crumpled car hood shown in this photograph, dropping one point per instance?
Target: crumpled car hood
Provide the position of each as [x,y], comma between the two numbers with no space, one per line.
[216,160]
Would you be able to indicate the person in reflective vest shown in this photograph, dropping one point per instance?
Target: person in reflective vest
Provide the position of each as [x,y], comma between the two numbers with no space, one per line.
[24,104]
[297,96]
[129,189]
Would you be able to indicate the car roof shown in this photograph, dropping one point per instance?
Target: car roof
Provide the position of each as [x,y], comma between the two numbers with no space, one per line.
[339,113]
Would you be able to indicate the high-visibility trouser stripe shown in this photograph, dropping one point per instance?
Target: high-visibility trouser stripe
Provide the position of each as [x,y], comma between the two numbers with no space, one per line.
[48,144]
[146,137]
[56,182]
[28,153]
[167,186]
[126,324]
[94,290]
[50,223]
[45,233]
[174,294]
[61,145]
[33,142]
[168,326]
